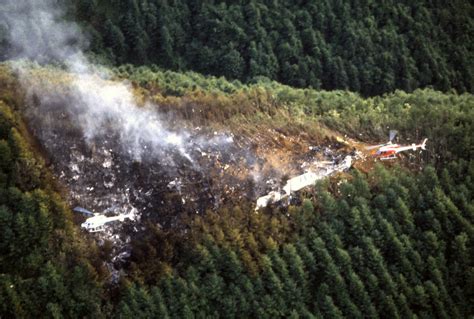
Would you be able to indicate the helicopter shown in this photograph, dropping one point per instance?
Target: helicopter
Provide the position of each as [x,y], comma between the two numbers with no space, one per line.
[97,222]
[388,151]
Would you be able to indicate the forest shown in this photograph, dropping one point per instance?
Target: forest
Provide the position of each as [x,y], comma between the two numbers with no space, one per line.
[358,45]
[370,247]
[384,239]
[393,241]
[46,268]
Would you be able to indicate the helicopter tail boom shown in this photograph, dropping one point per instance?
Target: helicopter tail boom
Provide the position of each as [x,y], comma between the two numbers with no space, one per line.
[423,145]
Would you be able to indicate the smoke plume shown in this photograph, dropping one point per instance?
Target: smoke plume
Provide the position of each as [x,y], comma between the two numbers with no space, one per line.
[38,31]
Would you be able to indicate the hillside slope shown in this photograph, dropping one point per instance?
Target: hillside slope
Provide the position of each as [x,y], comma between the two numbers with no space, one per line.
[47,268]
[393,240]
[364,46]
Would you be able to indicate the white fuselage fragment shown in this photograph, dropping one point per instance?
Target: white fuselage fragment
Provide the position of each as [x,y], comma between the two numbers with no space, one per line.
[272,197]
[301,181]
[296,183]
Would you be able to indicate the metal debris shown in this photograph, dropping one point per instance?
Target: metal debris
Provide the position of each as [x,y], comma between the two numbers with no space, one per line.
[304,180]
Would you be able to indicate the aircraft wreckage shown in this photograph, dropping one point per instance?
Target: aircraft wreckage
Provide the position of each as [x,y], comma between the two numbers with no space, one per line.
[98,222]
[304,180]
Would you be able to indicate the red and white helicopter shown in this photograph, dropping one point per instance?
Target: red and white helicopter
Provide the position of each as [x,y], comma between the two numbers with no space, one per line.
[389,150]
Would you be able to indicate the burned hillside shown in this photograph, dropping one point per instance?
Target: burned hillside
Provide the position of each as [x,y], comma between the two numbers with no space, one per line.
[157,165]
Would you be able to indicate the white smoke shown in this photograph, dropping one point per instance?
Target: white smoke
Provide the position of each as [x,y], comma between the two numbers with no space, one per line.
[37,31]
[103,104]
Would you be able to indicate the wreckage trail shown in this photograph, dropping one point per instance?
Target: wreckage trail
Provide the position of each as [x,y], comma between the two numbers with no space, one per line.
[304,180]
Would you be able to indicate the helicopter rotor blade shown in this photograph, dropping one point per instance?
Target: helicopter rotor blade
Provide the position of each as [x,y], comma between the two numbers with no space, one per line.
[392,135]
